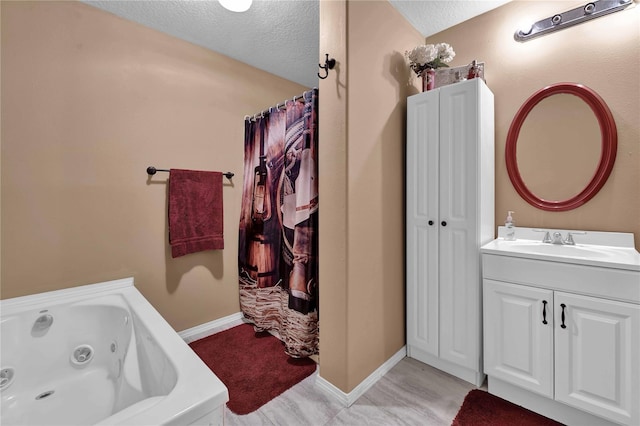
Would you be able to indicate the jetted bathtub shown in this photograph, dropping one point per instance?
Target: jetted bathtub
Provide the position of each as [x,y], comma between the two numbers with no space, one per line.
[100,354]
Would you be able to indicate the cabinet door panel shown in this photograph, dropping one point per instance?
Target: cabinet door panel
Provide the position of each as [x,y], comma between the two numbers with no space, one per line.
[423,115]
[459,162]
[518,346]
[422,297]
[422,238]
[459,267]
[458,299]
[598,356]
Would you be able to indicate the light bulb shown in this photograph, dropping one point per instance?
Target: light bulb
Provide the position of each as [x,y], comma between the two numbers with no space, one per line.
[236,5]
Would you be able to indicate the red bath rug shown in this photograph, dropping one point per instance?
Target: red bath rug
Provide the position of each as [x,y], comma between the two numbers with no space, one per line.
[252,365]
[480,408]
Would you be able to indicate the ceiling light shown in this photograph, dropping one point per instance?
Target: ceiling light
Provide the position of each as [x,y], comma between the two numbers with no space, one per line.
[236,5]
[581,14]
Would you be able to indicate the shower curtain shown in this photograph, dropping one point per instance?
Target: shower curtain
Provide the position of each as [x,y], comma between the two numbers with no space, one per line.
[278,243]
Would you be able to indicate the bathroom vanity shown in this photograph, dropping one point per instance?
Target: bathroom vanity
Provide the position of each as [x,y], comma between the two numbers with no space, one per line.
[562,324]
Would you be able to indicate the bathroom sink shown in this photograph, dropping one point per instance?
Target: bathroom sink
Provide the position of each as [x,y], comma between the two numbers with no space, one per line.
[581,251]
[598,250]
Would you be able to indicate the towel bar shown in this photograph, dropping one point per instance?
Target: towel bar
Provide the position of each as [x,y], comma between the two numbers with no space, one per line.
[152,171]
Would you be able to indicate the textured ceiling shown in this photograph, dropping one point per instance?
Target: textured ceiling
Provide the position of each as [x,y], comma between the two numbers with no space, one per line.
[432,16]
[278,36]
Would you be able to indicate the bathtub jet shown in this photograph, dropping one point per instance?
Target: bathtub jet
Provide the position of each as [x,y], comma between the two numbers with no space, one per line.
[42,325]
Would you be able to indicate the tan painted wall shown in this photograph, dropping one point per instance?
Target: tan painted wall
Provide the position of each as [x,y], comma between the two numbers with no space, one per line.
[603,54]
[89,101]
[333,173]
[378,83]
[363,284]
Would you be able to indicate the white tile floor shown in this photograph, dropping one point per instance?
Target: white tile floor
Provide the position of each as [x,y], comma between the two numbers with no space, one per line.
[411,393]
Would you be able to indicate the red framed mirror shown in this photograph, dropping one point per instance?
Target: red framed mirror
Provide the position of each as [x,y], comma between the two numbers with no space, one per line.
[609,146]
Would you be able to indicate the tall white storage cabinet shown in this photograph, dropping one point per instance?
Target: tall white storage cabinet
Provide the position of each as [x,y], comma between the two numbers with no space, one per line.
[450,214]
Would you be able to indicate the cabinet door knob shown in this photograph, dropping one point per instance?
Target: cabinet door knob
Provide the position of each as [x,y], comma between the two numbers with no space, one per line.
[443,223]
[430,223]
[544,312]
[562,305]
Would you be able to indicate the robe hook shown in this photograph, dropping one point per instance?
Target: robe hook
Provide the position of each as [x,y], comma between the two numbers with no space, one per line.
[328,65]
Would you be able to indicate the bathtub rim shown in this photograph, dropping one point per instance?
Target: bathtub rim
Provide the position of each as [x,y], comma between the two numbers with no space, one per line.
[193,376]
[18,304]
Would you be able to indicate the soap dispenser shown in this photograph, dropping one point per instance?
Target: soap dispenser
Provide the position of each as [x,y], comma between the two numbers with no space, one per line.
[510,234]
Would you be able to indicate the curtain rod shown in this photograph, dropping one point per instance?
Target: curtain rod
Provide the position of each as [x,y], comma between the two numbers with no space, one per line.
[152,171]
[254,117]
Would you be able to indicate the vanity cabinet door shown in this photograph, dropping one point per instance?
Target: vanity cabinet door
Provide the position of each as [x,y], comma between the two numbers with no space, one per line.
[518,335]
[597,356]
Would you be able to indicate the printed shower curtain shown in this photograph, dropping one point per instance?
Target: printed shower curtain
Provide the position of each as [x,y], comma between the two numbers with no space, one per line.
[278,244]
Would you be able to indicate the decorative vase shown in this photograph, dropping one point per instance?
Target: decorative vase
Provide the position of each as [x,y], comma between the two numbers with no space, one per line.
[428,79]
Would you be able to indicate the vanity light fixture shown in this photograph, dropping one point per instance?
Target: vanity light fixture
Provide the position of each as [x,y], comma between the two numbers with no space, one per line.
[236,5]
[591,10]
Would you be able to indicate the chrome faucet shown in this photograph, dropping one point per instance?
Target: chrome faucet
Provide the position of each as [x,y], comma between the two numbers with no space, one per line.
[547,236]
[569,240]
[556,237]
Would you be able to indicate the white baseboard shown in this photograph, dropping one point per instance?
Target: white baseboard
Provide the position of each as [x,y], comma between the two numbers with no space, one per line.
[212,327]
[347,399]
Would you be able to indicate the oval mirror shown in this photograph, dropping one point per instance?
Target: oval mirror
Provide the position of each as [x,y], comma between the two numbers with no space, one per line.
[562,143]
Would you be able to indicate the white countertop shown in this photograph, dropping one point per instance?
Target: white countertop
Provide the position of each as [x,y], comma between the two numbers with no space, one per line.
[594,248]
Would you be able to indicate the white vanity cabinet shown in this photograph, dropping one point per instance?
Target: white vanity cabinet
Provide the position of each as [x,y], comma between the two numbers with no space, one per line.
[588,364]
[597,356]
[518,335]
[450,214]
[563,334]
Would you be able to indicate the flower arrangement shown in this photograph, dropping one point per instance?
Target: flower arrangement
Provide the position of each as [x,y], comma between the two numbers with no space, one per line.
[429,56]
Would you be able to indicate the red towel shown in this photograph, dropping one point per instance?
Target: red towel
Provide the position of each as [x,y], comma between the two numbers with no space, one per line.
[195,211]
